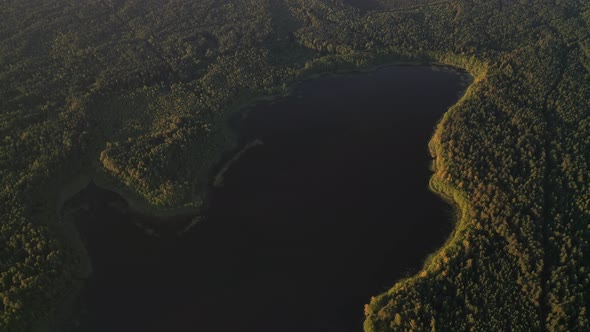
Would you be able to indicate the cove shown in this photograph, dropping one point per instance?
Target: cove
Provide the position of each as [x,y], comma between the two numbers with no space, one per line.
[330,207]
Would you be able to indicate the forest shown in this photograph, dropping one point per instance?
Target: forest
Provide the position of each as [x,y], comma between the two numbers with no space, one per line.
[137,93]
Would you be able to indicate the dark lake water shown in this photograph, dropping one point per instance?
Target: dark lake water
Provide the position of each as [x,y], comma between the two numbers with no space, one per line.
[332,209]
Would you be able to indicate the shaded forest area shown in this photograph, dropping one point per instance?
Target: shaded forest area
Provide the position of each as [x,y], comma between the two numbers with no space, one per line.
[137,92]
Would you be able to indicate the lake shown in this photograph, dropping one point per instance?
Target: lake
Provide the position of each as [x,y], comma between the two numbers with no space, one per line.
[331,209]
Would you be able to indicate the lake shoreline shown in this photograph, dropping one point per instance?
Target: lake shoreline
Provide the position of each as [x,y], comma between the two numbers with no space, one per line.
[138,205]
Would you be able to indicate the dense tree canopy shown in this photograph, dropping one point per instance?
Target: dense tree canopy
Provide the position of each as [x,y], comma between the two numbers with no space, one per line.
[136,93]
